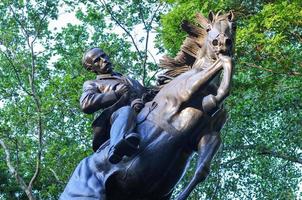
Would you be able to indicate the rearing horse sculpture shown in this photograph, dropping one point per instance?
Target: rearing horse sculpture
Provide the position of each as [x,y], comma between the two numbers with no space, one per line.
[185,116]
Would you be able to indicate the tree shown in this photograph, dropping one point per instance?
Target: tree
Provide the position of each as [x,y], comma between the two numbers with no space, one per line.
[44,134]
[23,27]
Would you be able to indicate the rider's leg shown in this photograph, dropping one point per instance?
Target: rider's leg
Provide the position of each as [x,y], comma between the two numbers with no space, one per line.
[123,140]
[100,135]
[84,184]
[123,121]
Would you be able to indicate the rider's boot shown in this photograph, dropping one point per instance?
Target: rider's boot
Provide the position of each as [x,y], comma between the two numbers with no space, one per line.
[123,141]
[127,146]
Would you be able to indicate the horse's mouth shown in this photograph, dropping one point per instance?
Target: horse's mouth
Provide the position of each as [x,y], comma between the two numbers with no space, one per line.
[224,52]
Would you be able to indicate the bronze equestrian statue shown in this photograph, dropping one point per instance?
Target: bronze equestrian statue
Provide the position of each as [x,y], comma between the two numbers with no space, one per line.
[185,116]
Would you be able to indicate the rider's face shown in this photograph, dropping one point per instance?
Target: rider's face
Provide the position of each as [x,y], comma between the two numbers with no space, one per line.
[102,63]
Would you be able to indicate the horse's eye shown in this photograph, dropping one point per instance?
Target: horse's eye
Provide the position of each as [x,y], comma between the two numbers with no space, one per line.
[215,42]
[97,59]
[209,27]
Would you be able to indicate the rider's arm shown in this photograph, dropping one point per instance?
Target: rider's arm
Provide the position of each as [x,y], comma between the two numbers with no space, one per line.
[93,99]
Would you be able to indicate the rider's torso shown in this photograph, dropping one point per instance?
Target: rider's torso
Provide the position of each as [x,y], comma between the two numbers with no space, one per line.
[114,82]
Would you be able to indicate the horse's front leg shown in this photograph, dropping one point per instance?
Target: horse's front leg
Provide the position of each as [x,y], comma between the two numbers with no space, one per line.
[207,147]
[224,87]
[211,102]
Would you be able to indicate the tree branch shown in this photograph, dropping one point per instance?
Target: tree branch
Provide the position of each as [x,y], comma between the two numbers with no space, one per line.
[145,59]
[291,73]
[56,176]
[148,28]
[141,14]
[258,67]
[262,150]
[157,70]
[153,58]
[15,173]
[25,33]
[39,111]
[154,14]
[272,153]
[39,27]
[146,45]
[16,73]
[120,25]
[153,75]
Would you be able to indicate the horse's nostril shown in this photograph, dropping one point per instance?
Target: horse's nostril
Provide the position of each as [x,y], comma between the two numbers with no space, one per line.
[215,42]
[228,42]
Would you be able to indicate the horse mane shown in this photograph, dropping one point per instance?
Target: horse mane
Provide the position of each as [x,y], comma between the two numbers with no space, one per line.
[189,49]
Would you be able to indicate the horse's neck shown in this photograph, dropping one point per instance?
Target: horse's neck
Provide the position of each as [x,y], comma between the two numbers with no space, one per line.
[205,58]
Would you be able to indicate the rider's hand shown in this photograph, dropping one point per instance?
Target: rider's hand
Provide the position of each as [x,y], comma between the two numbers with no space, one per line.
[124,89]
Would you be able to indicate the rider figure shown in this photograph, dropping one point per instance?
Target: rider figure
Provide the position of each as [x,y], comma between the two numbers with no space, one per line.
[112,93]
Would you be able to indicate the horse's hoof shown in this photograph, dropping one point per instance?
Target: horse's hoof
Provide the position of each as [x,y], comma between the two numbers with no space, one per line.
[209,103]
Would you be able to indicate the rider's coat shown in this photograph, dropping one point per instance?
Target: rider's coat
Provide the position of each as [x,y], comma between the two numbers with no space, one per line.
[100,94]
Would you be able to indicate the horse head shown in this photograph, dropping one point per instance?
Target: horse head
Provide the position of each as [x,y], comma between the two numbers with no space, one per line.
[221,34]
[207,38]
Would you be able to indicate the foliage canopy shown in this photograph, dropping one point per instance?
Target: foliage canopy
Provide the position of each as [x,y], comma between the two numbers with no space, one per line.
[46,134]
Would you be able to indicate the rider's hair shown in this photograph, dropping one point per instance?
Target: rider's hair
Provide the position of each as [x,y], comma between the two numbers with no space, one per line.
[87,61]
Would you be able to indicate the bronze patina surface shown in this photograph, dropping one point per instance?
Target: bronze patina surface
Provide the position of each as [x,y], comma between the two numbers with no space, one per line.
[185,116]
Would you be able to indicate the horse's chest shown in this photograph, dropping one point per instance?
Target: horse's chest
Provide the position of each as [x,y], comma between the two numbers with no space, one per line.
[187,118]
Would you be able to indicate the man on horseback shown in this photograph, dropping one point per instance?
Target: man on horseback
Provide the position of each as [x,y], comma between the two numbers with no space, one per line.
[113,93]
[181,119]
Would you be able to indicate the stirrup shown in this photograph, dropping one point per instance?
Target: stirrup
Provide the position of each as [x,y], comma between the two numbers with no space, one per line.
[126,147]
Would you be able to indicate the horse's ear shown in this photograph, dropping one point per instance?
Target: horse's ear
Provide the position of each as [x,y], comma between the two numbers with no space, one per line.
[231,16]
[219,13]
[211,16]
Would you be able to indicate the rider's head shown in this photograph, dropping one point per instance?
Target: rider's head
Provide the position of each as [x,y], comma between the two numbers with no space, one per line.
[97,61]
